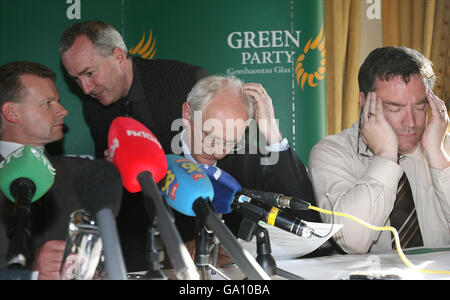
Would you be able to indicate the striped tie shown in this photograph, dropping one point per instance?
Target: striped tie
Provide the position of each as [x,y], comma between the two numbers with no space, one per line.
[404,217]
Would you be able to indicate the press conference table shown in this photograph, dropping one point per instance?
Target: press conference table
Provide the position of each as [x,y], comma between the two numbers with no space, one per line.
[382,265]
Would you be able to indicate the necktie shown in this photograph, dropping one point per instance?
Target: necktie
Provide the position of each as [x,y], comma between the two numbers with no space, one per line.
[404,217]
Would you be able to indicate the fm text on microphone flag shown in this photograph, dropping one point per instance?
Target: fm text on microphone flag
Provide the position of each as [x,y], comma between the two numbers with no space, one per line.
[135,149]
[184,184]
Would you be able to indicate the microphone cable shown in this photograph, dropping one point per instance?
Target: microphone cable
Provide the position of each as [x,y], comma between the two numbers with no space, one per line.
[402,255]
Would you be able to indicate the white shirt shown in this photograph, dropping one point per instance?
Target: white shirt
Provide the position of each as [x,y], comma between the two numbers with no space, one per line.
[365,187]
[6,148]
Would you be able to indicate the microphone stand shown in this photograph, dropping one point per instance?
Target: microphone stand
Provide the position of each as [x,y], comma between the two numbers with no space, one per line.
[20,232]
[242,258]
[250,228]
[204,251]
[154,248]
[179,255]
[202,256]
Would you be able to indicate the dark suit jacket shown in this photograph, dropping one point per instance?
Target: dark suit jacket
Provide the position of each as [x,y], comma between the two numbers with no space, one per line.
[288,176]
[157,93]
[50,214]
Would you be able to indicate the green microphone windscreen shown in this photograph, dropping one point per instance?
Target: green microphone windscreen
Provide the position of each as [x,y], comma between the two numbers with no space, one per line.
[27,162]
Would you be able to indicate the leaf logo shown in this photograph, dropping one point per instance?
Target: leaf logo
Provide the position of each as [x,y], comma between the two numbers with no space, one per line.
[303,75]
[146,51]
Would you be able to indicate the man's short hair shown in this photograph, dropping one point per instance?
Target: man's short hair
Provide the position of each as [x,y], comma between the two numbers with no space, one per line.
[207,87]
[103,36]
[386,62]
[11,88]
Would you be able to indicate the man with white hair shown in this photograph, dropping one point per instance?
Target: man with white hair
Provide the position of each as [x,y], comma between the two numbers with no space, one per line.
[216,117]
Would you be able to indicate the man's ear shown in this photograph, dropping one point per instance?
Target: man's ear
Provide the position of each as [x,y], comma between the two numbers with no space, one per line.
[186,114]
[120,55]
[9,112]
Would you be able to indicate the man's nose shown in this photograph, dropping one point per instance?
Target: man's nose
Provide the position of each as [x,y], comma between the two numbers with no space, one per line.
[62,111]
[87,86]
[218,152]
[409,119]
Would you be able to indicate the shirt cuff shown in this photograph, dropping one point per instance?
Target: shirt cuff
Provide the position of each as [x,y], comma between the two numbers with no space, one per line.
[440,176]
[385,171]
[278,147]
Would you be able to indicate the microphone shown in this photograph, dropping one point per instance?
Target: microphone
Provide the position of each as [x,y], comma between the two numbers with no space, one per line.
[223,192]
[98,185]
[134,149]
[25,176]
[233,197]
[138,155]
[29,163]
[189,191]
[275,199]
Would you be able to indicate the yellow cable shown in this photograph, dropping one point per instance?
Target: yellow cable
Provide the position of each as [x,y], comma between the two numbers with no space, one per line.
[382,228]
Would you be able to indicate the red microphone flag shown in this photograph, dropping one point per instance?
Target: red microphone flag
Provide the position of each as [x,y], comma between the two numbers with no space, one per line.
[134,149]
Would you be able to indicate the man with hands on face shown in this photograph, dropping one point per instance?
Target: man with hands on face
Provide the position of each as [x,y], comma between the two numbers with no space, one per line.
[359,169]
[216,131]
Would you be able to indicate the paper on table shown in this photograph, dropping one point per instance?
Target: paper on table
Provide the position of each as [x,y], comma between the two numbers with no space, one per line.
[286,245]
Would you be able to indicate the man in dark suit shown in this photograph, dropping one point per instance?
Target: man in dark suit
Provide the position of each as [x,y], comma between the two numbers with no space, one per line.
[151,91]
[216,118]
[31,114]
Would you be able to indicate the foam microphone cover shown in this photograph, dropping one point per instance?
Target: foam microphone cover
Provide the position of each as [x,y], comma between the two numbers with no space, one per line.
[184,183]
[134,149]
[98,185]
[225,187]
[27,162]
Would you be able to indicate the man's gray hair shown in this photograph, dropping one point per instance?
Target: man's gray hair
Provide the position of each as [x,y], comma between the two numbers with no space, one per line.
[207,87]
[103,36]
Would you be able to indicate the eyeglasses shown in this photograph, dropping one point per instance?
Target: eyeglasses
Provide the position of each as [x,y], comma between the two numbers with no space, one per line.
[211,142]
[399,156]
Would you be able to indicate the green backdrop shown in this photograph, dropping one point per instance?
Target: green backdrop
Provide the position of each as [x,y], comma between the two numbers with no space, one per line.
[278,43]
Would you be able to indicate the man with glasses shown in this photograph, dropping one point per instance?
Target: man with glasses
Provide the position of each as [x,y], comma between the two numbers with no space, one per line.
[216,118]
[391,167]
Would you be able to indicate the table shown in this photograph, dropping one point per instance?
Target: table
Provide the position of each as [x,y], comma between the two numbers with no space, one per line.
[382,265]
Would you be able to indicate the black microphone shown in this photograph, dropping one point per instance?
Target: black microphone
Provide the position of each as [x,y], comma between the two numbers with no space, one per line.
[19,254]
[230,196]
[275,199]
[99,188]
[189,191]
[273,216]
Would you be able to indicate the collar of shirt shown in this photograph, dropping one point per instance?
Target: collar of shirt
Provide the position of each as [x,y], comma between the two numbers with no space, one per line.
[186,150]
[6,148]
[135,94]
